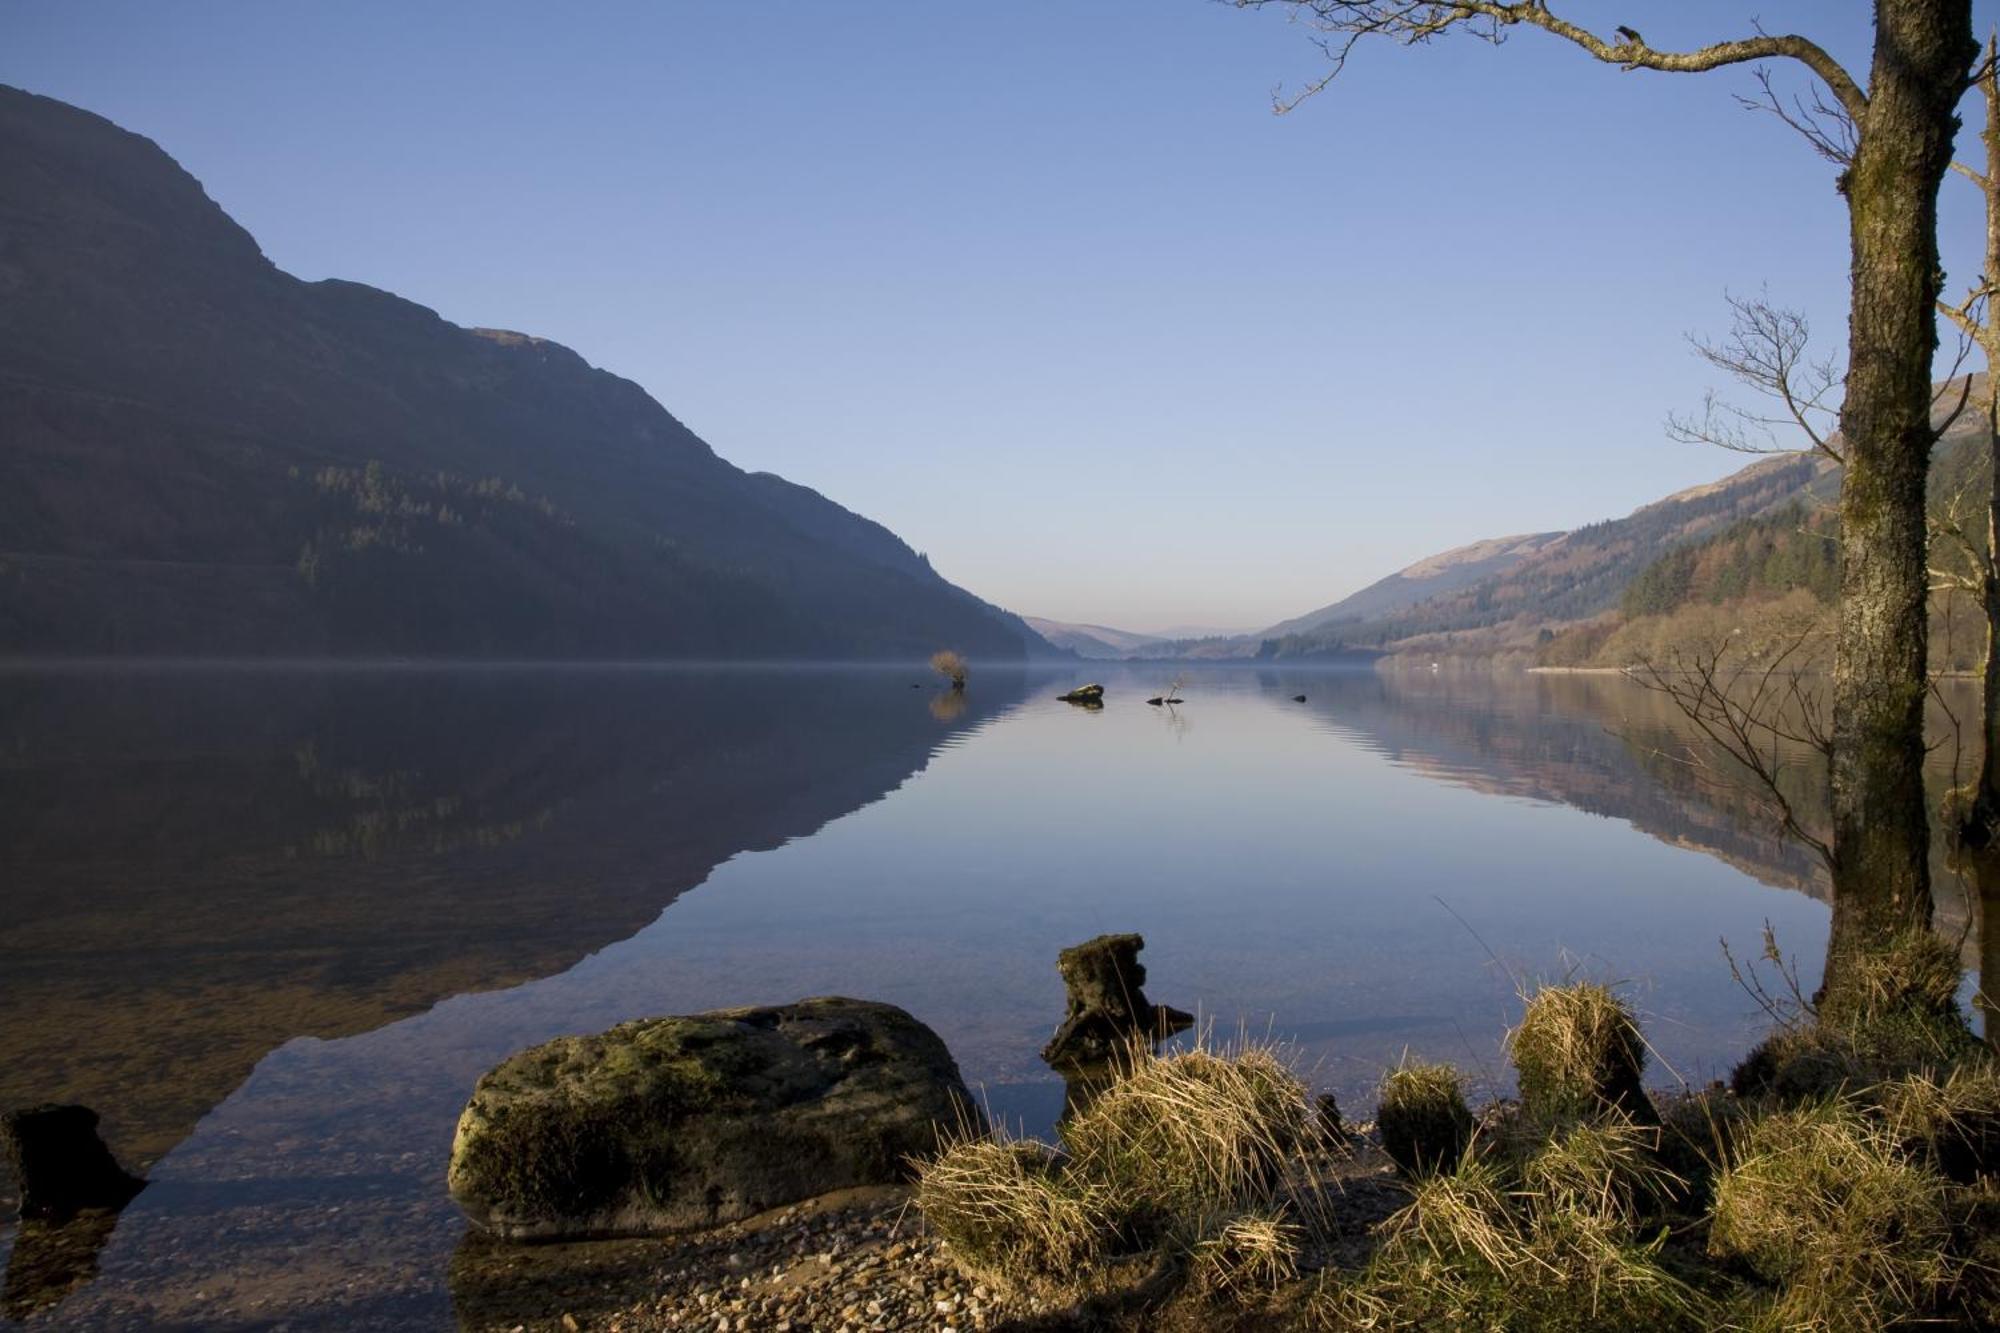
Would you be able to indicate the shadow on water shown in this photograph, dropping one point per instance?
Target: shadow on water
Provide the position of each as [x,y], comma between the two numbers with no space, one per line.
[197,867]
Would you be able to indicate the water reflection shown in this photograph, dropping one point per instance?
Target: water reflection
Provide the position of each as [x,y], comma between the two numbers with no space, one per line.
[201,866]
[278,923]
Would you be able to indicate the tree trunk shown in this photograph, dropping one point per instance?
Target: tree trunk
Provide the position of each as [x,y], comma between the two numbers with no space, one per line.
[1881,873]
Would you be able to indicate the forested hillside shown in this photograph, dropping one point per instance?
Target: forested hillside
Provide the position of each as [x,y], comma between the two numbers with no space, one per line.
[1771,581]
[1573,577]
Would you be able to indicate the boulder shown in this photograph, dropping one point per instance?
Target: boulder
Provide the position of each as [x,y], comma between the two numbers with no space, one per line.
[1084,694]
[62,1166]
[1108,1008]
[675,1124]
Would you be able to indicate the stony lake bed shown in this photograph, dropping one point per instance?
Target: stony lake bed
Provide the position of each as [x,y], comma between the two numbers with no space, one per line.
[273,923]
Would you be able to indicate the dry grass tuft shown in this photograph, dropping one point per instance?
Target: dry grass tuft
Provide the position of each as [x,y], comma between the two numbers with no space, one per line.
[1825,1202]
[1250,1253]
[1206,1161]
[1578,1053]
[1010,1214]
[1192,1133]
[1918,973]
[1952,1120]
[1423,1119]
[1554,1244]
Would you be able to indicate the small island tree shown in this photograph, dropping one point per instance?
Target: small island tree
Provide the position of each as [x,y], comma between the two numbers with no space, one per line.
[951,666]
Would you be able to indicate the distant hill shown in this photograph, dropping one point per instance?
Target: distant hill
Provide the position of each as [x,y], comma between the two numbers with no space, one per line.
[1509,594]
[205,455]
[1099,642]
[1429,577]
[1771,579]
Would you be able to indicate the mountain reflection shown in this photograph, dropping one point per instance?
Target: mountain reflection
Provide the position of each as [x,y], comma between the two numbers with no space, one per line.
[199,866]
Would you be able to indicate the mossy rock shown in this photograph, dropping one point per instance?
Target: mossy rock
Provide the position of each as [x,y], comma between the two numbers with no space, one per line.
[674,1124]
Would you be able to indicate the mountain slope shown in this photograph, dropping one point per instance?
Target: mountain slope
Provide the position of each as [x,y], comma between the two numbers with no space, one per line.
[1429,577]
[1771,582]
[207,455]
[1547,582]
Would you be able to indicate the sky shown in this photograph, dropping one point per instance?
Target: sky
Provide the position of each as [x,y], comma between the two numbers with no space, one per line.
[1045,287]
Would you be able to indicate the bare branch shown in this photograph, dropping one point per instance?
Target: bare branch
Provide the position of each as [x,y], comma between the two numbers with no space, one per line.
[1825,125]
[1766,349]
[1751,713]
[1413,22]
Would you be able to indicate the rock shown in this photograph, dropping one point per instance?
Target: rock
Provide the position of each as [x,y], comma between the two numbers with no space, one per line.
[61,1164]
[1298,698]
[1084,694]
[1108,1008]
[671,1124]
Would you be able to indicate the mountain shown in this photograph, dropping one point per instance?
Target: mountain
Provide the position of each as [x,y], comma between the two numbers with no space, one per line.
[205,455]
[1429,577]
[1770,582]
[1508,594]
[1099,642]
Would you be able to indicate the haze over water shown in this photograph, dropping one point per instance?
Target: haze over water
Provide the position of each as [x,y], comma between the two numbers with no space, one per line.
[274,923]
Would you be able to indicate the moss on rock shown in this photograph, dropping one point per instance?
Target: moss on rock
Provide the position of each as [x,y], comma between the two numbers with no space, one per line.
[668,1124]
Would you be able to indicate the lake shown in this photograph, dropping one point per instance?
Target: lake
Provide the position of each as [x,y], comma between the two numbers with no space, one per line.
[273,922]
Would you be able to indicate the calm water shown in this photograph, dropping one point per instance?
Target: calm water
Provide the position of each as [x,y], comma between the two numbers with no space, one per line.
[274,923]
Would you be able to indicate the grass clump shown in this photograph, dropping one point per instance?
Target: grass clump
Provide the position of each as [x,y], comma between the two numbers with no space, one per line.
[1198,1164]
[1884,1015]
[1423,1119]
[1192,1133]
[1010,1213]
[1578,1053]
[1825,1203]
[1951,1119]
[1549,1243]
[1253,1253]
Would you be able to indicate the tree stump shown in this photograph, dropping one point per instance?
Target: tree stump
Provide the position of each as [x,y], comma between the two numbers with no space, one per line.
[62,1166]
[1108,1008]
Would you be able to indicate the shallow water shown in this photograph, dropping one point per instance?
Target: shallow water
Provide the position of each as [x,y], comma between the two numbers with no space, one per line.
[273,923]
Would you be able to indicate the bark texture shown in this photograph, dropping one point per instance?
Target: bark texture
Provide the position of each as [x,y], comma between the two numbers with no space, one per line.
[1923,50]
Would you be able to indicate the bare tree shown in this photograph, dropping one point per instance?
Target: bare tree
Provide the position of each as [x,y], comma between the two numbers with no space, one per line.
[1903,124]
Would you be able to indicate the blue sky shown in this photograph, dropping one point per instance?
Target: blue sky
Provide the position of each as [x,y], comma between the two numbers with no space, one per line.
[1044,286]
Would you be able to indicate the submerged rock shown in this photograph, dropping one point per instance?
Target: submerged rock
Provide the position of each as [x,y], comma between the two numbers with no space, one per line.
[61,1164]
[1108,1008]
[1084,694]
[672,1124]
